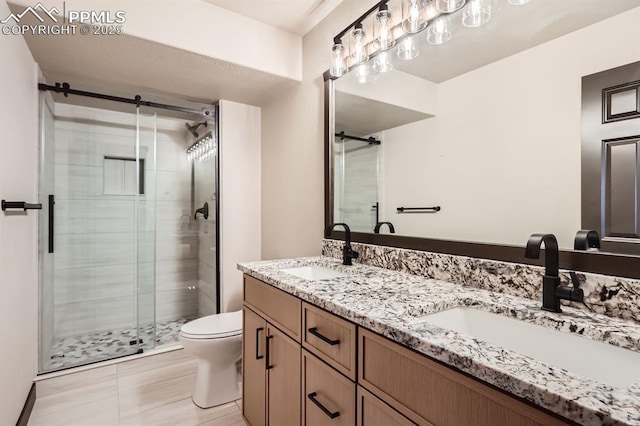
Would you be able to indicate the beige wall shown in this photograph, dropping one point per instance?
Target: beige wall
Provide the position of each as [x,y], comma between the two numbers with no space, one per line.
[293,148]
[18,232]
[240,192]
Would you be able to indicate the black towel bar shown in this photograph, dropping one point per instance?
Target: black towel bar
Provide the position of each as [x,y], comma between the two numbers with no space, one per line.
[419,209]
[20,205]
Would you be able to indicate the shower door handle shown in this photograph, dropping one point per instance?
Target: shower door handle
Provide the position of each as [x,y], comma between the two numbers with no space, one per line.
[258,330]
[52,203]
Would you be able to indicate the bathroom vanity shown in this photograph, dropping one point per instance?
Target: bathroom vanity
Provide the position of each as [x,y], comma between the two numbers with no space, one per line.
[331,344]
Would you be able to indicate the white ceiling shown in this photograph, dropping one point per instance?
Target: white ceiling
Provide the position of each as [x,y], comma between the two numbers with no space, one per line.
[295,16]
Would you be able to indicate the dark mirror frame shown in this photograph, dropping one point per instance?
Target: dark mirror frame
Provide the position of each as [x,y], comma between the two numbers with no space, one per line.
[599,263]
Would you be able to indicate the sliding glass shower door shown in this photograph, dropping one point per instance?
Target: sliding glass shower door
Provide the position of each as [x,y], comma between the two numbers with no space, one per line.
[97,232]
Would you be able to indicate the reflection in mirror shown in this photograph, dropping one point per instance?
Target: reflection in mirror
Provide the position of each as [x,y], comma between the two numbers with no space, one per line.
[488,127]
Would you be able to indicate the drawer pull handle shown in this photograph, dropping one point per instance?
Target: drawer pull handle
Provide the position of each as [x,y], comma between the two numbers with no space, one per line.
[268,365]
[315,332]
[312,397]
[258,330]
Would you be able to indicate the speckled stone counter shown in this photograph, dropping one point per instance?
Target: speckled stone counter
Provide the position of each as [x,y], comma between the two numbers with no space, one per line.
[388,302]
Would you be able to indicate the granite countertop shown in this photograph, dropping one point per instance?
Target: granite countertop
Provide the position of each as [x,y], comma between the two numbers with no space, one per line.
[388,302]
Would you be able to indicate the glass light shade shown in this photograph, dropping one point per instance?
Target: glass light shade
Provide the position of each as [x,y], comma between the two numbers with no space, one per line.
[364,73]
[337,67]
[360,54]
[383,62]
[518,2]
[407,48]
[476,13]
[414,17]
[384,34]
[449,6]
[439,32]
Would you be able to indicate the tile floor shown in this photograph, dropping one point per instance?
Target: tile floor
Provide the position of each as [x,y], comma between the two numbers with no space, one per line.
[149,391]
[79,350]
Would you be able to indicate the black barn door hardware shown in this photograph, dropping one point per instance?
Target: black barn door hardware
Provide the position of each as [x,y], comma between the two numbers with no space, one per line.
[419,209]
[19,205]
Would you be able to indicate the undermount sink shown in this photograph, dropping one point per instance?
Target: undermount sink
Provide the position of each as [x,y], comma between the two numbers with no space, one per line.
[313,273]
[590,359]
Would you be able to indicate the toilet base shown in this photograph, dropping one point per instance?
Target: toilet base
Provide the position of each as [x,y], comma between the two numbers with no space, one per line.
[214,386]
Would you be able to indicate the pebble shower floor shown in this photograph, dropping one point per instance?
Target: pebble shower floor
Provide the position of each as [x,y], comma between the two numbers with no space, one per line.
[78,350]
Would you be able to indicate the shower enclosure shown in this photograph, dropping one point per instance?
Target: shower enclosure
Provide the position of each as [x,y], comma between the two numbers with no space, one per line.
[357,179]
[125,259]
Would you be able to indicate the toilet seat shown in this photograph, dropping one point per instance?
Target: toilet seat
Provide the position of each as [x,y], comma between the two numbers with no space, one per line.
[216,326]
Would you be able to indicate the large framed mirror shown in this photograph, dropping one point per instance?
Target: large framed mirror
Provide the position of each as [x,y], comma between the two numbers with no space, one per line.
[530,124]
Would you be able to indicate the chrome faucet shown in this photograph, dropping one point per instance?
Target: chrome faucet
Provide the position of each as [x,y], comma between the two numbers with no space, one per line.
[347,252]
[552,290]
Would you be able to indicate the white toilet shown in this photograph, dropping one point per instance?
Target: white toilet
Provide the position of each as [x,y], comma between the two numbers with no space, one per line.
[216,340]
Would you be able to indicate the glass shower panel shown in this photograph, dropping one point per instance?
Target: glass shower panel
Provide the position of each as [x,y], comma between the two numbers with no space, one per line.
[205,175]
[87,235]
[145,169]
[357,178]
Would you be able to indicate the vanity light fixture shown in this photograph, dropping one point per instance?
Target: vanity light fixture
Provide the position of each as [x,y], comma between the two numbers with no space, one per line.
[384,33]
[338,66]
[449,6]
[434,15]
[360,55]
[202,149]
[476,13]
[407,48]
[439,31]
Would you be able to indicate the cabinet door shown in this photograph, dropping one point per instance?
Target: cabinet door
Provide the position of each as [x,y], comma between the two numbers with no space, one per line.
[373,412]
[253,372]
[328,396]
[283,379]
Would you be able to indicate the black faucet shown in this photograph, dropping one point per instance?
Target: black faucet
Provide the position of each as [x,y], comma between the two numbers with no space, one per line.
[586,239]
[552,290]
[204,210]
[347,252]
[379,225]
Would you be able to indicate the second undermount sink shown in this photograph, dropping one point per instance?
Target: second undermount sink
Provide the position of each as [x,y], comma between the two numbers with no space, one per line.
[587,358]
[313,273]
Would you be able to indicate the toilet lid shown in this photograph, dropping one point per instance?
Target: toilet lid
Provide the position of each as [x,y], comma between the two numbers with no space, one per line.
[214,326]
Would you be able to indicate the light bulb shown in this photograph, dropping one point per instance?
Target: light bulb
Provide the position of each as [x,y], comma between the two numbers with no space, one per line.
[337,68]
[385,38]
[449,6]
[363,73]
[439,32]
[383,62]
[518,2]
[476,13]
[360,54]
[412,15]
[407,49]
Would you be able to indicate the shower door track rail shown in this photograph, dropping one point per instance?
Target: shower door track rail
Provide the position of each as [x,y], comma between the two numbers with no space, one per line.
[66,90]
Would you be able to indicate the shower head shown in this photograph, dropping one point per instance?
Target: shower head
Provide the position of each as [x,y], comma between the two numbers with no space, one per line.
[193,128]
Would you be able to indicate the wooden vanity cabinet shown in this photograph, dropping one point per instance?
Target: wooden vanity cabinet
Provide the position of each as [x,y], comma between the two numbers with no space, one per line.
[271,356]
[306,366]
[429,393]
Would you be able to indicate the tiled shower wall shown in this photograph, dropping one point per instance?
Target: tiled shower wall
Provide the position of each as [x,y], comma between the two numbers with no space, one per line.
[356,191]
[95,257]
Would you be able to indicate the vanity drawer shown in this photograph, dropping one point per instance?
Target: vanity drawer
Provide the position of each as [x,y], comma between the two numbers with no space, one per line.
[328,397]
[278,307]
[331,338]
[373,412]
[429,393]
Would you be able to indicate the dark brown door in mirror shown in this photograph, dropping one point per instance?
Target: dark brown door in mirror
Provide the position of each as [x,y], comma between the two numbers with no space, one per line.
[611,157]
